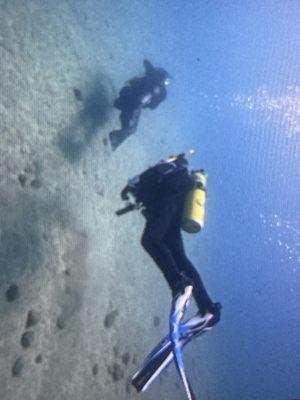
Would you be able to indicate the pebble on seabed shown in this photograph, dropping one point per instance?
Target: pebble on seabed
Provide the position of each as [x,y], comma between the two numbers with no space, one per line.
[22,179]
[12,293]
[18,366]
[27,339]
[95,369]
[38,359]
[125,358]
[36,183]
[33,317]
[77,94]
[116,372]
[60,323]
[110,318]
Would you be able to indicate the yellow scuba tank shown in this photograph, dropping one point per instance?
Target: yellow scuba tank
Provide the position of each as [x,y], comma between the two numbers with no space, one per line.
[194,206]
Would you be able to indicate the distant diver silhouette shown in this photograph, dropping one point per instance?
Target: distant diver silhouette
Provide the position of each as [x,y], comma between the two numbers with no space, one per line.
[147,91]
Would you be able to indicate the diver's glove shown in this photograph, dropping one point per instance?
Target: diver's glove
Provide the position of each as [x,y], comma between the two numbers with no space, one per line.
[130,187]
[124,193]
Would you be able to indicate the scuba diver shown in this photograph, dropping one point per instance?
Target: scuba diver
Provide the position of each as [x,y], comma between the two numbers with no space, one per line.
[144,92]
[172,198]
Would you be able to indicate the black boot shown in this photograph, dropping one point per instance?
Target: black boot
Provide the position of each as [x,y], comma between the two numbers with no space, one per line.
[215,310]
[179,288]
[118,137]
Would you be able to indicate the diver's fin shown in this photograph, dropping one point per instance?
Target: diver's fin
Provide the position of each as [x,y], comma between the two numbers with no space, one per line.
[149,371]
[178,309]
[162,355]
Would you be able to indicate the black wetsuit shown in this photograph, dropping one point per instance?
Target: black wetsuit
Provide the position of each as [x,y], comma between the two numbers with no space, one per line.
[163,241]
[145,92]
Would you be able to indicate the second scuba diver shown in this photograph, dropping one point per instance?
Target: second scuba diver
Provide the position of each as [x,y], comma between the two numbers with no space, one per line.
[144,92]
[161,192]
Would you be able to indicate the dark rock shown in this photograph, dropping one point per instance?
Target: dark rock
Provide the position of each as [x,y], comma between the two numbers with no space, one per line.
[125,358]
[22,179]
[12,293]
[110,318]
[33,317]
[77,94]
[156,321]
[38,359]
[116,372]
[18,366]
[36,183]
[27,339]
[61,323]
[95,369]
[67,272]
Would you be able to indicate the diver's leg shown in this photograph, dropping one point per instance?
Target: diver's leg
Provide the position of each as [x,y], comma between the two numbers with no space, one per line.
[117,137]
[129,121]
[156,227]
[174,242]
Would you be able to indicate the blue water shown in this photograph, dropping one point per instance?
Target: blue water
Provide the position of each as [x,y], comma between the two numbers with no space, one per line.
[236,92]
[237,71]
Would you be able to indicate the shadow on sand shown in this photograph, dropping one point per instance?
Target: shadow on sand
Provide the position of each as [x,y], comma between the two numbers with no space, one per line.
[94,114]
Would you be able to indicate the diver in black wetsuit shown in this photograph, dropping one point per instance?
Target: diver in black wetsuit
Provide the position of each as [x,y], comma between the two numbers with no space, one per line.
[162,190]
[145,92]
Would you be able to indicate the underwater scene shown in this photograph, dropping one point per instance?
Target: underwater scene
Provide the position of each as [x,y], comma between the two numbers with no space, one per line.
[150,193]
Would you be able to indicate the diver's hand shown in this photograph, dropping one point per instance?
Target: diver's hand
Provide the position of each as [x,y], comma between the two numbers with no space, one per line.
[124,193]
[130,187]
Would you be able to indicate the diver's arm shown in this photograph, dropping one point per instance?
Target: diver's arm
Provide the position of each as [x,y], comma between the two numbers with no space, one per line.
[158,95]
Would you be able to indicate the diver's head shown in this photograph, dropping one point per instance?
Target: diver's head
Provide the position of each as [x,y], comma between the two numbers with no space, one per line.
[179,160]
[162,77]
